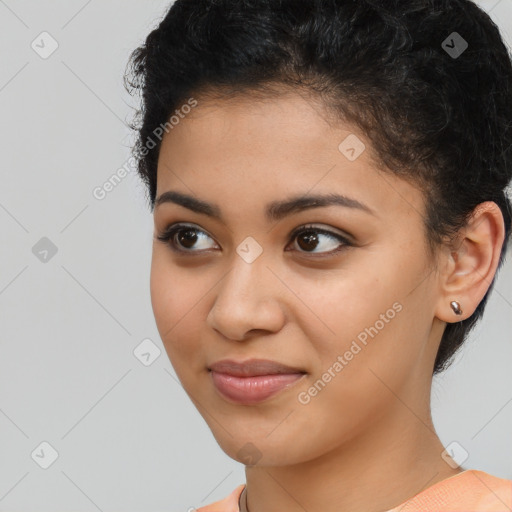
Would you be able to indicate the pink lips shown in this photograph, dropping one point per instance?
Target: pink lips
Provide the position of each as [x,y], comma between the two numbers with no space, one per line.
[252,381]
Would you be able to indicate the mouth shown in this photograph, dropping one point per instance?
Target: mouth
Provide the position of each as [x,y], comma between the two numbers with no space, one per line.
[253,368]
[252,381]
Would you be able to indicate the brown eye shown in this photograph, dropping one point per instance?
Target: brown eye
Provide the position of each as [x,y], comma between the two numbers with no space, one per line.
[187,237]
[309,238]
[182,238]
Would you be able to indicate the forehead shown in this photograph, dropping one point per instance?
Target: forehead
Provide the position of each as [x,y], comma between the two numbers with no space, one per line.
[247,121]
[260,149]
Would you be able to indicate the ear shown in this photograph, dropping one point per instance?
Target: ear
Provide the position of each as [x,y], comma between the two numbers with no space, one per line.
[470,267]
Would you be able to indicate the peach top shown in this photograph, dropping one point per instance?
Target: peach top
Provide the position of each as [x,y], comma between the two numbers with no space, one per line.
[468,491]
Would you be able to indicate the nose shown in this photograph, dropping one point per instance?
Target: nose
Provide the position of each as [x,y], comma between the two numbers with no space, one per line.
[248,301]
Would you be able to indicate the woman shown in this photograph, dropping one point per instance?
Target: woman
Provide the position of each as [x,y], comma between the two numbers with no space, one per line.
[327,179]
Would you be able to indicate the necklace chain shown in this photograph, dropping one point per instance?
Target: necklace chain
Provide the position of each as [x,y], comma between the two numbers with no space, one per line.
[242,502]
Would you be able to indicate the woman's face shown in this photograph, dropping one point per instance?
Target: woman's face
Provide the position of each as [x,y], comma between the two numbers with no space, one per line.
[357,317]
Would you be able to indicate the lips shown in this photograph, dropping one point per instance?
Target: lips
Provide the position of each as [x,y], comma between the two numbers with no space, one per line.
[253,367]
[253,381]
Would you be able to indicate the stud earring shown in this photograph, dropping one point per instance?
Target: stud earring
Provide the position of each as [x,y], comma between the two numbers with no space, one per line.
[456,307]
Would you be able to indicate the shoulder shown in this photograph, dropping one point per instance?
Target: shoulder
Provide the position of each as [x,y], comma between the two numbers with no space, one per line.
[228,504]
[471,490]
[489,492]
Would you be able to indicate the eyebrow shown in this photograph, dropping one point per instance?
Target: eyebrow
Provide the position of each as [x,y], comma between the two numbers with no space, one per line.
[274,211]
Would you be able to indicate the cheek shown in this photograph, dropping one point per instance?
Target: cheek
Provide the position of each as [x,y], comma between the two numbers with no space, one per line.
[372,317]
[350,386]
[163,289]
[176,301]
[341,304]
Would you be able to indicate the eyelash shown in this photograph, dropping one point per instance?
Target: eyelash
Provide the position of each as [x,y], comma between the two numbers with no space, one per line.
[167,237]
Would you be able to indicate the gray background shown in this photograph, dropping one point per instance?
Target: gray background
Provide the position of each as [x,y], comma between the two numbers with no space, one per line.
[127,436]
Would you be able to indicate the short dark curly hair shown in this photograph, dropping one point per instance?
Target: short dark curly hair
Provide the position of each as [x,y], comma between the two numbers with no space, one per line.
[428,81]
